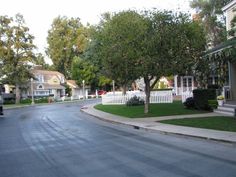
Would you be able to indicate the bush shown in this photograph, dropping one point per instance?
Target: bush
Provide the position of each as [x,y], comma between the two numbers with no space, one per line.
[213,86]
[189,103]
[213,104]
[41,100]
[9,101]
[36,100]
[25,101]
[201,97]
[135,101]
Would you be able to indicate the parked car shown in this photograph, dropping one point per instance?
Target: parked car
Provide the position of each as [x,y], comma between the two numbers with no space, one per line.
[101,92]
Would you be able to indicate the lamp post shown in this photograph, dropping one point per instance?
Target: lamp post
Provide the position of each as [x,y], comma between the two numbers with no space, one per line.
[1,100]
[113,86]
[83,88]
[32,91]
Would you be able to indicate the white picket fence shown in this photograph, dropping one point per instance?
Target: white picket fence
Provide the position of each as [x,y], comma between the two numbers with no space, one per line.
[186,95]
[118,99]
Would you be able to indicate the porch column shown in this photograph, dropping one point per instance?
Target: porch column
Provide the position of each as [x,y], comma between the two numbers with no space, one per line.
[192,83]
[176,84]
[182,84]
[232,80]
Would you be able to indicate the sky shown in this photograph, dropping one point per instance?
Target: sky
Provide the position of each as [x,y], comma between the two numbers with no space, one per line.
[39,14]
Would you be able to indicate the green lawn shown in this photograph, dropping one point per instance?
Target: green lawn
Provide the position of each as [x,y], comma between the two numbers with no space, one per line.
[15,105]
[164,109]
[216,123]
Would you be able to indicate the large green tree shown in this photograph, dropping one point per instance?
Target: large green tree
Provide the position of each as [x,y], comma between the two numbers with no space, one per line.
[66,39]
[212,18]
[93,55]
[172,45]
[131,45]
[16,52]
[118,45]
[82,70]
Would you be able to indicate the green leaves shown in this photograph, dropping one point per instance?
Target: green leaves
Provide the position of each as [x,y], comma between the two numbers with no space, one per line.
[211,16]
[66,39]
[16,49]
[131,45]
[82,70]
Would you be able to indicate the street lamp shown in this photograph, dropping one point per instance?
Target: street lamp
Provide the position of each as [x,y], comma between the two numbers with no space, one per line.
[113,86]
[83,88]
[32,90]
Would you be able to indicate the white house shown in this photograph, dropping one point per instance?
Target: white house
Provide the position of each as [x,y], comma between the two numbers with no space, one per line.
[47,83]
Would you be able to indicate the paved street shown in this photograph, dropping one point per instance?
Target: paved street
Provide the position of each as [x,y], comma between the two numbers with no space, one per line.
[61,141]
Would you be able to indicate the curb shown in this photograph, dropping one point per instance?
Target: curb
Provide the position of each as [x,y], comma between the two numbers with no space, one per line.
[155,130]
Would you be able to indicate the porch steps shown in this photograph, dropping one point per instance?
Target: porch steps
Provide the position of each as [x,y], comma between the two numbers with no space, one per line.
[226,109]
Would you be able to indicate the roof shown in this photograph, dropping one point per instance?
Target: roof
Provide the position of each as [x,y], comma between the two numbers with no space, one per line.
[72,83]
[51,79]
[229,4]
[46,72]
[227,44]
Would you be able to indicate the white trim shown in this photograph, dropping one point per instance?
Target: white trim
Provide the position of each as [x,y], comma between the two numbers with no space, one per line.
[225,8]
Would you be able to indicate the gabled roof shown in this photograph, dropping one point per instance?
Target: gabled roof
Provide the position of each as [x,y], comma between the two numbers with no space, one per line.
[72,83]
[46,72]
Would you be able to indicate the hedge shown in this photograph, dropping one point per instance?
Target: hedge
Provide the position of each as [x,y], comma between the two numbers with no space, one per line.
[201,97]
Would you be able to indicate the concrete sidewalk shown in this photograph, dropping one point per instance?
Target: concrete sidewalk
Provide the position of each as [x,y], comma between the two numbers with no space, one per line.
[153,125]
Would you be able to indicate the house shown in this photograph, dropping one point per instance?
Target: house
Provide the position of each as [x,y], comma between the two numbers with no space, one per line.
[227,53]
[226,50]
[183,84]
[230,13]
[76,91]
[47,83]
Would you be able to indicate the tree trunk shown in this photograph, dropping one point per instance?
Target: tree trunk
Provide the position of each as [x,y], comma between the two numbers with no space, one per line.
[147,93]
[17,94]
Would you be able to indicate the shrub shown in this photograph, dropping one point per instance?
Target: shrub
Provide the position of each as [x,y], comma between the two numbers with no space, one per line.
[135,101]
[213,104]
[201,97]
[41,100]
[213,86]
[25,101]
[36,100]
[189,103]
[9,101]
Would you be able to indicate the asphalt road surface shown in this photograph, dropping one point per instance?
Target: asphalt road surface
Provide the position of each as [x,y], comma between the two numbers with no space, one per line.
[61,141]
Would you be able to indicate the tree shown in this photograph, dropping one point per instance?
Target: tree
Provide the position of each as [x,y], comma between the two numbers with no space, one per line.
[172,45]
[212,18]
[118,45]
[130,45]
[16,51]
[66,39]
[40,60]
[82,70]
[93,55]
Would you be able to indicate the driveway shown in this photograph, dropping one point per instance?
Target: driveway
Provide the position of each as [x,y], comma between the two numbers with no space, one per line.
[59,140]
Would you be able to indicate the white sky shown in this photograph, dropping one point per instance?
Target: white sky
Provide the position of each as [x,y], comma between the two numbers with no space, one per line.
[39,14]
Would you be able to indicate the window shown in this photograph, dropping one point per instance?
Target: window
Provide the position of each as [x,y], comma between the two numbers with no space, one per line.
[40,87]
[40,78]
[41,92]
